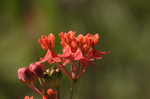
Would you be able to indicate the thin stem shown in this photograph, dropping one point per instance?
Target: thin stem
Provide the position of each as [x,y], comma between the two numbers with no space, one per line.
[82,71]
[65,71]
[34,88]
[43,85]
[72,89]
[58,93]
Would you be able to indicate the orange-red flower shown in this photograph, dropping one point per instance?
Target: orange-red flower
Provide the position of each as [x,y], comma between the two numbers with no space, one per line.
[80,47]
[47,42]
[69,39]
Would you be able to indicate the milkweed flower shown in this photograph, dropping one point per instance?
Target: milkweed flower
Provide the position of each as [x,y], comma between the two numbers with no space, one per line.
[78,52]
[76,48]
[79,48]
[47,42]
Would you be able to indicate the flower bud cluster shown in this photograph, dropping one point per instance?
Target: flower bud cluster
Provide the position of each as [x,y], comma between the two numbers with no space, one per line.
[31,73]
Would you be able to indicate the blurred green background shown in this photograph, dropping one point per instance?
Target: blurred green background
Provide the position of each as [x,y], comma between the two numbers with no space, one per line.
[123,24]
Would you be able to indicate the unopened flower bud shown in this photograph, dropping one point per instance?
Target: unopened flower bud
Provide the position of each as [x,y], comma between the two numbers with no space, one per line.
[96,38]
[37,69]
[51,92]
[45,97]
[27,97]
[25,75]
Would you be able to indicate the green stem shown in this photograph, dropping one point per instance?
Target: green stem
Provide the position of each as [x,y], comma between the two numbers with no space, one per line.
[58,93]
[72,89]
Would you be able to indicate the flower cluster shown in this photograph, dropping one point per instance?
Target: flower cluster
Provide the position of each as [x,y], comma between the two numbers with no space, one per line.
[78,52]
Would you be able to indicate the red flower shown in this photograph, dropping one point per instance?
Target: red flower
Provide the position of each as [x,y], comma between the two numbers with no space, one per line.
[69,39]
[47,42]
[80,47]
